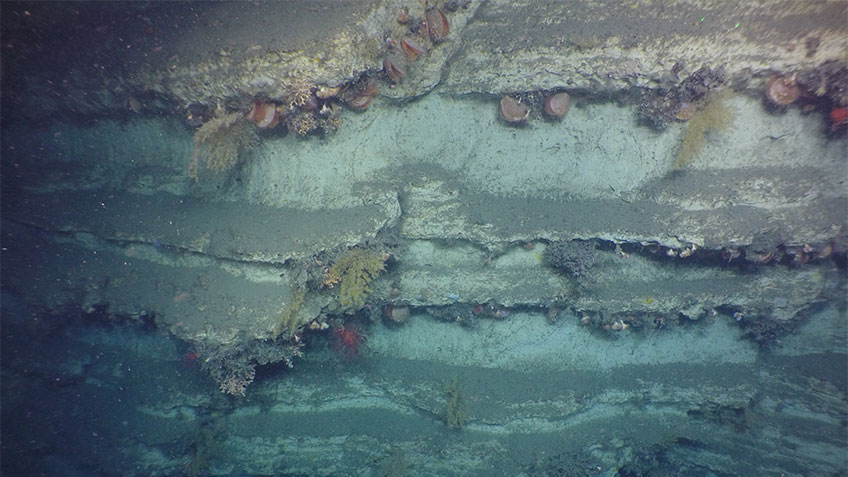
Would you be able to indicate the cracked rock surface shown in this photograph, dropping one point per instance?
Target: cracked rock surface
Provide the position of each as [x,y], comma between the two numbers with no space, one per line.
[703,324]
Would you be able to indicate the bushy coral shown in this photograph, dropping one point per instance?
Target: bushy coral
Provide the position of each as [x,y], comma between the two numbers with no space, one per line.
[301,122]
[235,382]
[220,143]
[233,367]
[353,272]
[298,95]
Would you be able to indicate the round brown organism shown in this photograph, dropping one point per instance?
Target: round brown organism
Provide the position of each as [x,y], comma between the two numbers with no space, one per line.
[782,90]
[412,49]
[398,314]
[394,73]
[437,24]
[263,114]
[360,102]
[359,95]
[557,105]
[514,111]
[368,87]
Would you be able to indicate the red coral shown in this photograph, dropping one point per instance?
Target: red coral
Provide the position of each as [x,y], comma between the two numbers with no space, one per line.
[349,340]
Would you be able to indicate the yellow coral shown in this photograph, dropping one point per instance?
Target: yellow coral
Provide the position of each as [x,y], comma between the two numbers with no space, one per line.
[455,416]
[716,116]
[354,271]
[290,316]
[220,142]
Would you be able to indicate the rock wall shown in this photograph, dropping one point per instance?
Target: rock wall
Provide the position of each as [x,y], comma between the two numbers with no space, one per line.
[671,333]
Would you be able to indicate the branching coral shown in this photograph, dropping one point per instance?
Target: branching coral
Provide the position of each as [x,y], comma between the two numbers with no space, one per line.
[299,95]
[354,271]
[235,382]
[302,123]
[233,367]
[220,143]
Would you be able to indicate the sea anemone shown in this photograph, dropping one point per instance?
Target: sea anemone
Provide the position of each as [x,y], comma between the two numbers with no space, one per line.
[782,90]
[514,111]
[557,105]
